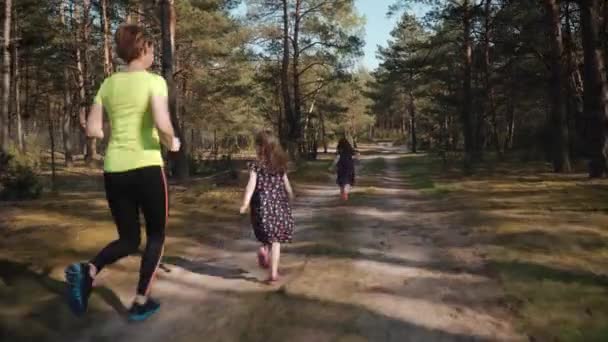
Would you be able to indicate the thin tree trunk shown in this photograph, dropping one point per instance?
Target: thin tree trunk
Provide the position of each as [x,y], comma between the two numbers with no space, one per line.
[604,33]
[510,113]
[26,95]
[17,91]
[168,21]
[323,133]
[279,104]
[287,104]
[412,110]
[91,143]
[487,68]
[52,138]
[6,74]
[66,124]
[575,79]
[82,107]
[467,105]
[107,47]
[561,157]
[295,132]
[595,93]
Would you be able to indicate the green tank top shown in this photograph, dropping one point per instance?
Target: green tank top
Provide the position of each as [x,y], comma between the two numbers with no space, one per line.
[134,141]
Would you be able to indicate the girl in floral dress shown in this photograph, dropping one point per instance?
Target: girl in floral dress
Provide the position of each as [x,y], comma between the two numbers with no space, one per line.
[268,193]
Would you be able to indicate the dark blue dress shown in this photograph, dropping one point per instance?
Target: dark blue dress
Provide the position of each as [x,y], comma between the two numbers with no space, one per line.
[346,170]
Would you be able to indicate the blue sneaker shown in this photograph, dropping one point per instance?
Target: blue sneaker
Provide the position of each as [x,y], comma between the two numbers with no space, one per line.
[79,285]
[139,312]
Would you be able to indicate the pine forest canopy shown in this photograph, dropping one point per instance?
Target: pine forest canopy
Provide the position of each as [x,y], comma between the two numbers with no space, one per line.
[477,76]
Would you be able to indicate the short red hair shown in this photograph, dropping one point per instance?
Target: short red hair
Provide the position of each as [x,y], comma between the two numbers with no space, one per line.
[131,42]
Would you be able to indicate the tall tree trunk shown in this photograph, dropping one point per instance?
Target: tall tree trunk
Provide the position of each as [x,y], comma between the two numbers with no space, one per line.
[467,105]
[6,74]
[575,79]
[52,138]
[280,107]
[487,69]
[412,110]
[287,103]
[404,124]
[66,124]
[66,117]
[17,93]
[595,93]
[168,21]
[295,132]
[604,33]
[510,112]
[91,143]
[107,47]
[79,41]
[323,134]
[559,129]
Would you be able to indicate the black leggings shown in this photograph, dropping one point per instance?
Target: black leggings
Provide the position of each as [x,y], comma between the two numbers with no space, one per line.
[127,193]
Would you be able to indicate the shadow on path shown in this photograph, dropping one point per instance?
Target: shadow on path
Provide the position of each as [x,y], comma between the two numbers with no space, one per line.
[207,268]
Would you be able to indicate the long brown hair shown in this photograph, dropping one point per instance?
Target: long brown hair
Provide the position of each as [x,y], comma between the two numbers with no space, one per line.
[345,148]
[270,152]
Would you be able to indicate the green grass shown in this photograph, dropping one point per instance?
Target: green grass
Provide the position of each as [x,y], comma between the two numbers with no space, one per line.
[420,171]
[543,235]
[316,171]
[373,167]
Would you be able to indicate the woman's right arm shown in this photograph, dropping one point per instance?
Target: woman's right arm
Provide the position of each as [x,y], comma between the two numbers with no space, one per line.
[162,120]
[94,125]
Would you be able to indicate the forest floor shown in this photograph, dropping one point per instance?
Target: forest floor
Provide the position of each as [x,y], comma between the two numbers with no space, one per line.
[417,254]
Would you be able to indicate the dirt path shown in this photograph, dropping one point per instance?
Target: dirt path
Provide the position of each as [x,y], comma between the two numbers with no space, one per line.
[382,267]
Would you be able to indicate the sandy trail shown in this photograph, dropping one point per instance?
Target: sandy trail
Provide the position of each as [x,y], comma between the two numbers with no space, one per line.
[382,267]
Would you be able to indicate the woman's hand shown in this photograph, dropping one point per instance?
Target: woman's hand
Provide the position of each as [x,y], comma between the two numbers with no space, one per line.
[175,145]
[244,209]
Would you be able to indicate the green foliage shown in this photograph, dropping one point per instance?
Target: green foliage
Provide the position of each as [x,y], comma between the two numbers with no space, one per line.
[19,177]
[346,107]
[321,61]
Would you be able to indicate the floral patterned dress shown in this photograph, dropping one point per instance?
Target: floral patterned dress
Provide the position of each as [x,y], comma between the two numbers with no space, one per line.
[271,215]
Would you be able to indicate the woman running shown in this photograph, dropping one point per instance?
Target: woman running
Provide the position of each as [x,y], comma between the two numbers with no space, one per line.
[345,177]
[269,192]
[136,103]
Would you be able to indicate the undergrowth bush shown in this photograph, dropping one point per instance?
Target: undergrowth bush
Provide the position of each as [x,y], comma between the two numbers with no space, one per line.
[19,176]
[201,166]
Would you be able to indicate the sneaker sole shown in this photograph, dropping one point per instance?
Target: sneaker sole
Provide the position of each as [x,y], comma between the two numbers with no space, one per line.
[143,317]
[73,277]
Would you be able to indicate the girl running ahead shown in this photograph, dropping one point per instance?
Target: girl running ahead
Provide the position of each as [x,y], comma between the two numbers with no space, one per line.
[268,194]
[136,103]
[346,167]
